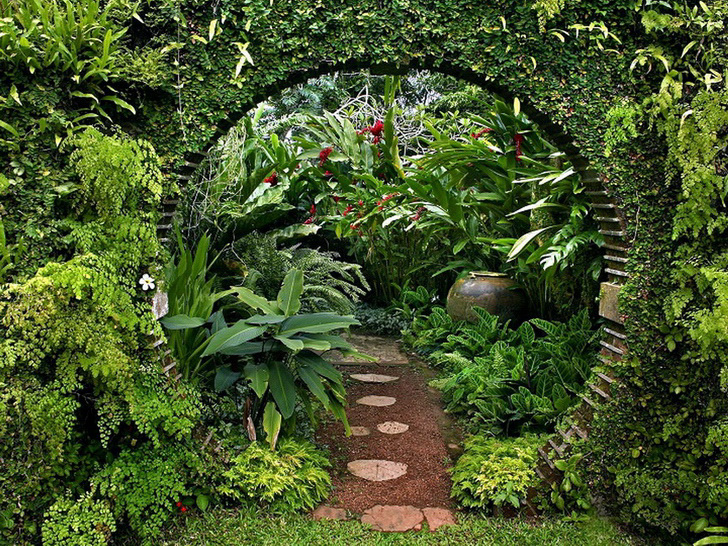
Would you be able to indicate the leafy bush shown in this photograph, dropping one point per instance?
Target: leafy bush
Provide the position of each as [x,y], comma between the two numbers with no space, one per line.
[291,478]
[79,522]
[380,320]
[278,359]
[330,284]
[510,380]
[496,471]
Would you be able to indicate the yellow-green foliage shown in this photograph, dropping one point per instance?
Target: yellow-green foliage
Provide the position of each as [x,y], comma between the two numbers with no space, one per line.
[496,471]
[86,521]
[293,477]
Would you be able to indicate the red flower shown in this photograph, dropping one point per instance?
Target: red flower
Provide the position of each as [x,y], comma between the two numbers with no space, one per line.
[361,203]
[324,155]
[376,140]
[518,139]
[480,133]
[377,128]
[179,504]
[312,210]
[183,509]
[336,198]
[308,221]
[347,210]
[272,179]
[328,174]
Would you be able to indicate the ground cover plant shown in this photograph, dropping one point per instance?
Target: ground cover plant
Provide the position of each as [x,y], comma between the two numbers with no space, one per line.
[227,528]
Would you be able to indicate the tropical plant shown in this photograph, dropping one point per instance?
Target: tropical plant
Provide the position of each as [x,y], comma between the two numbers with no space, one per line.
[505,380]
[494,472]
[190,294]
[293,477]
[330,284]
[9,254]
[277,347]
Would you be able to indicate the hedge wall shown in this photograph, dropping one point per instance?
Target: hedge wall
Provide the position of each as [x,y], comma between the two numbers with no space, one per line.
[184,70]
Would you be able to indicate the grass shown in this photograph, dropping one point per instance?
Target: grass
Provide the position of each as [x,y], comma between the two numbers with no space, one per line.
[236,528]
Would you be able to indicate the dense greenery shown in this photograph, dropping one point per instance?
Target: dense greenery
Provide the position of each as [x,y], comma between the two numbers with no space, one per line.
[503,380]
[637,87]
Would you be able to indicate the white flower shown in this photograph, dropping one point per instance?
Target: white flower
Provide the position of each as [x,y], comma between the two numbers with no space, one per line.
[147,282]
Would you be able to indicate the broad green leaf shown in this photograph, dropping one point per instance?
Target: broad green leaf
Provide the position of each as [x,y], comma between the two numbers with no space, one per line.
[239,333]
[282,387]
[119,102]
[289,296]
[711,540]
[9,128]
[271,424]
[258,376]
[293,344]
[203,501]
[523,241]
[182,322]
[313,381]
[265,319]
[316,323]
[320,365]
[256,302]
[244,349]
[224,378]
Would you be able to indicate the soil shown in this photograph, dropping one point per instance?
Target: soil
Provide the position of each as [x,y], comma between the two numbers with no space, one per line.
[423,447]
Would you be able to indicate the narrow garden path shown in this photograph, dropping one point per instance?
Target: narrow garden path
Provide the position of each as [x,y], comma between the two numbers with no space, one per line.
[392,471]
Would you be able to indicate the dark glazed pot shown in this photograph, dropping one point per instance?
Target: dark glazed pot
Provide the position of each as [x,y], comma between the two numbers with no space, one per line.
[494,292]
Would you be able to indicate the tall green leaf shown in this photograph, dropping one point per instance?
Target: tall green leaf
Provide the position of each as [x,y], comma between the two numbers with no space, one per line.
[271,424]
[289,296]
[282,387]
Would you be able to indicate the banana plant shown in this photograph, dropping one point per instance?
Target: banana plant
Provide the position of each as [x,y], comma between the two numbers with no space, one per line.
[280,355]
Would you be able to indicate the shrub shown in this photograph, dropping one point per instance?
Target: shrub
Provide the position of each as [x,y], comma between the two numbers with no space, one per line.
[291,478]
[496,471]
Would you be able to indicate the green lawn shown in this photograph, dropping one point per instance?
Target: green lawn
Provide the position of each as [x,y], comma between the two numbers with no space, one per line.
[222,528]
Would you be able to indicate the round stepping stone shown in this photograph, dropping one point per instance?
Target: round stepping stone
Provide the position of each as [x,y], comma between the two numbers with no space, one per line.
[393,518]
[360,431]
[376,470]
[328,512]
[437,517]
[377,401]
[373,377]
[392,427]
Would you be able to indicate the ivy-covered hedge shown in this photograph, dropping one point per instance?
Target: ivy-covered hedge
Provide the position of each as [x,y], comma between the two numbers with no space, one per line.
[174,73]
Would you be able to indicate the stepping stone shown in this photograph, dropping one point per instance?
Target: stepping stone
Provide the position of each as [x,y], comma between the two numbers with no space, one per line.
[373,377]
[393,518]
[376,470]
[360,431]
[377,401]
[328,512]
[392,427]
[438,517]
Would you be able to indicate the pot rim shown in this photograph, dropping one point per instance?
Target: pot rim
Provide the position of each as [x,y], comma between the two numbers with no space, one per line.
[477,274]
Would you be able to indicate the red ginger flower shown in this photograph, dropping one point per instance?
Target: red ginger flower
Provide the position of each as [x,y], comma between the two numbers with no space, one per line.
[272,179]
[312,210]
[183,509]
[480,133]
[377,128]
[361,203]
[347,210]
[308,221]
[518,139]
[324,155]
[336,198]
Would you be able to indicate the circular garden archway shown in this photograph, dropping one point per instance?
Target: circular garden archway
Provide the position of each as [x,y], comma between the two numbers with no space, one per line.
[573,79]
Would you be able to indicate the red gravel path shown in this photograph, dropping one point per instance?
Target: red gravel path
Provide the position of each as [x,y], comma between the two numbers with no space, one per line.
[422,447]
